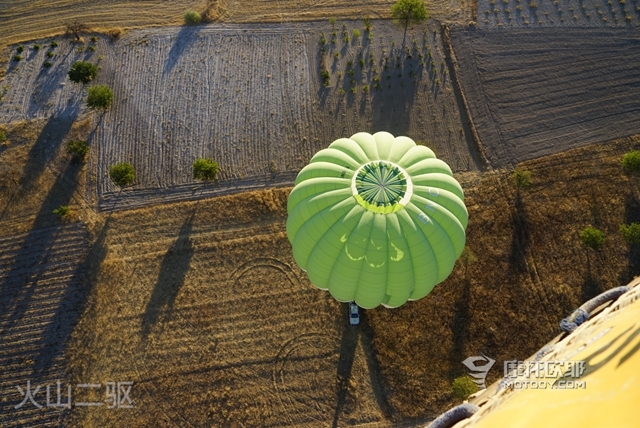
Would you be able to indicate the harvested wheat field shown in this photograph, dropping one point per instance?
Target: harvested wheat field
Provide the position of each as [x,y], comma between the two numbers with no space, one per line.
[42,298]
[532,93]
[28,20]
[201,306]
[186,292]
[204,310]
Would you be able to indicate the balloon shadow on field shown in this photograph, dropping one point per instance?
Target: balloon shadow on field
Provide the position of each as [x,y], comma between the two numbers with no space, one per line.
[460,331]
[350,337]
[380,391]
[345,365]
[173,269]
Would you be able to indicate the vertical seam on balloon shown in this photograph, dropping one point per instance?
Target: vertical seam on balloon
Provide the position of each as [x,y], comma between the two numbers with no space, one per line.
[413,285]
[418,178]
[444,232]
[365,257]
[341,248]
[442,207]
[299,204]
[303,225]
[375,145]
[426,240]
[354,159]
[400,162]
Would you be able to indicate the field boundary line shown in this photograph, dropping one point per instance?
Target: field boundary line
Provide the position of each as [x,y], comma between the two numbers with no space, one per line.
[467,121]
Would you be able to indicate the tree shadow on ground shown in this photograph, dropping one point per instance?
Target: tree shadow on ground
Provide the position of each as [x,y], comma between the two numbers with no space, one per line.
[183,40]
[173,269]
[46,146]
[49,80]
[460,331]
[520,237]
[632,215]
[391,107]
[56,336]
[345,365]
[377,382]
[21,282]
[591,286]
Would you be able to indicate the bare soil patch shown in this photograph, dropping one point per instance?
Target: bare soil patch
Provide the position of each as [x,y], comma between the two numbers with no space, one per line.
[533,93]
[556,13]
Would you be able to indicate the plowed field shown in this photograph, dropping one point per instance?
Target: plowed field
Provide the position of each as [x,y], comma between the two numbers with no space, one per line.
[556,13]
[532,93]
[251,97]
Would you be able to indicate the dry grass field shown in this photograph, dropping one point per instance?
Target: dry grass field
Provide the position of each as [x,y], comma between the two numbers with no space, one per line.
[201,306]
[532,271]
[190,291]
[27,20]
[536,92]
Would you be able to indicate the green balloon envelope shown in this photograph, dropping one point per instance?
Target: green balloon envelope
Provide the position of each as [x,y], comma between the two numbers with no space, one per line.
[376,219]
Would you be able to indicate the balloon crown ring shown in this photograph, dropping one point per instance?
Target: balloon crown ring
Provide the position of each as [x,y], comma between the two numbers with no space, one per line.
[382,187]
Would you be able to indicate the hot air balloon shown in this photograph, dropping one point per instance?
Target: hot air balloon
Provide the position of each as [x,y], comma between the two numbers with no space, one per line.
[377,220]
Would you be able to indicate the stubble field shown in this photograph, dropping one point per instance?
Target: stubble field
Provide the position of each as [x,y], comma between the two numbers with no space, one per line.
[201,306]
[200,303]
[27,20]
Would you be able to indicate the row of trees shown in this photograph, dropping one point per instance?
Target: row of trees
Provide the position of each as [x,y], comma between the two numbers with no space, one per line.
[123,174]
[99,97]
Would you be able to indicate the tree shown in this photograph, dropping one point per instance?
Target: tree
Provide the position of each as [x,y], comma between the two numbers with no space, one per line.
[122,174]
[631,161]
[205,169]
[521,177]
[192,17]
[100,97]
[592,237]
[82,72]
[463,387]
[78,148]
[75,28]
[409,12]
[630,233]
[467,257]
[61,211]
